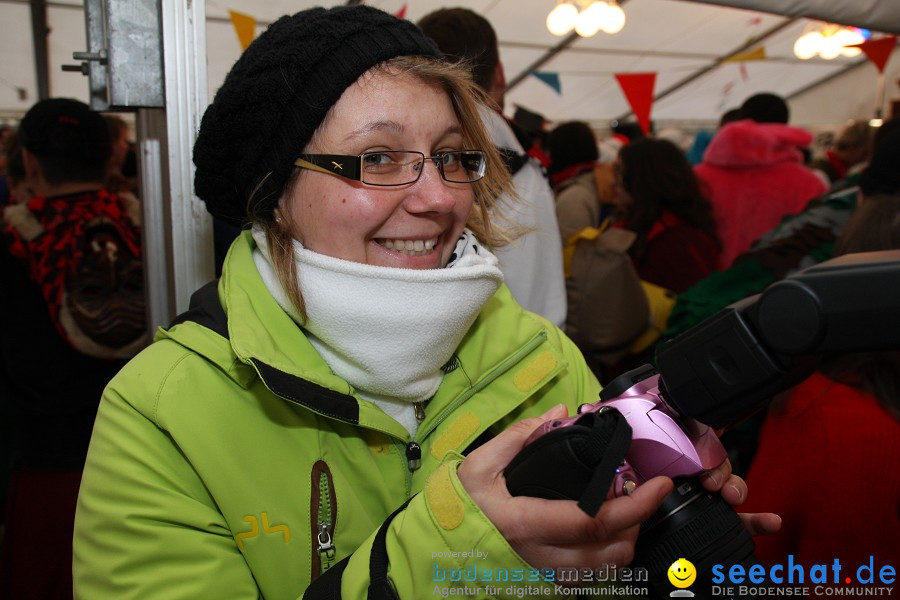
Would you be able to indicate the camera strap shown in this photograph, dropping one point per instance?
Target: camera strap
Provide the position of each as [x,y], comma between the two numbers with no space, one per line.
[577,462]
[605,448]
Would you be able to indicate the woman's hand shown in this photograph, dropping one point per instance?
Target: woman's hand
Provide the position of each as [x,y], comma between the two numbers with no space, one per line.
[555,533]
[734,491]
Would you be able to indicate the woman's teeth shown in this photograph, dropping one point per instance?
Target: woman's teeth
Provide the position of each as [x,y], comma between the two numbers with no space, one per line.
[410,247]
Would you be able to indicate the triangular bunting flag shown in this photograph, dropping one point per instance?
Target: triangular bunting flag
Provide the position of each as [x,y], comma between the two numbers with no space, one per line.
[401,14]
[244,26]
[755,54]
[878,51]
[551,79]
[638,90]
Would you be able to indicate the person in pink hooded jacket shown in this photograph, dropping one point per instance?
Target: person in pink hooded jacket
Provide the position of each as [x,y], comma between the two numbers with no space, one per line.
[754,174]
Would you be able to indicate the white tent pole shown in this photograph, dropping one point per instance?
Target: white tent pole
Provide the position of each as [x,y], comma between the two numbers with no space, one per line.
[184,59]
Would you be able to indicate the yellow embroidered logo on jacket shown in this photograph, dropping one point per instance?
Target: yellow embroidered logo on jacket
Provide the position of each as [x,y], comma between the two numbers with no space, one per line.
[266,528]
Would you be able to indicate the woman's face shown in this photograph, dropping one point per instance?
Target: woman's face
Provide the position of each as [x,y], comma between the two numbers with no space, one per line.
[353,221]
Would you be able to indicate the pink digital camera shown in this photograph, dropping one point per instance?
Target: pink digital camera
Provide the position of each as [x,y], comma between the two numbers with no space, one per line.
[663,443]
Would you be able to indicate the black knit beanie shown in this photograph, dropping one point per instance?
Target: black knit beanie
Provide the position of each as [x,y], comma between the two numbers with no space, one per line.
[278,93]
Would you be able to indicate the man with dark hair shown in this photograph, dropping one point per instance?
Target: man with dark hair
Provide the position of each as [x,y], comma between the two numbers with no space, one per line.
[532,265]
[72,310]
[765,107]
[461,33]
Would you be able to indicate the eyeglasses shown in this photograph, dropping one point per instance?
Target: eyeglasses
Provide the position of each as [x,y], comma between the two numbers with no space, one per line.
[397,167]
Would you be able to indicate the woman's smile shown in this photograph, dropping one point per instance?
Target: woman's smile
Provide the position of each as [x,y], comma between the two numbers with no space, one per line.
[416,247]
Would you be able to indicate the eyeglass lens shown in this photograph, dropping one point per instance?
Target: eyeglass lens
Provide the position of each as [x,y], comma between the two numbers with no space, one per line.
[397,167]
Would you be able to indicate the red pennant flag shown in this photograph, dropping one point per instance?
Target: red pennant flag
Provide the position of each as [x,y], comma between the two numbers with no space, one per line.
[401,14]
[638,90]
[878,51]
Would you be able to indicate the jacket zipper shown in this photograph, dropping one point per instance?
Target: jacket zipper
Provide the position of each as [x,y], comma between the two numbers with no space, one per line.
[323,507]
[413,451]
[497,372]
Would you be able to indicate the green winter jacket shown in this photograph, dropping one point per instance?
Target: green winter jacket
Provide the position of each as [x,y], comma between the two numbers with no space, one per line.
[227,461]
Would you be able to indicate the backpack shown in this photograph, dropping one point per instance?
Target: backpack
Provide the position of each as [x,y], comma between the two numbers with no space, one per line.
[103,312]
[83,251]
[608,309]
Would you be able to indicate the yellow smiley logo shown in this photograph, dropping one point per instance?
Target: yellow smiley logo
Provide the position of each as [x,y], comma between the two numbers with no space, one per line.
[682,573]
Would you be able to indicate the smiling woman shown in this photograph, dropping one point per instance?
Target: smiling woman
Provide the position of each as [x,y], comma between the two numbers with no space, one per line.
[421,205]
[300,432]
[388,216]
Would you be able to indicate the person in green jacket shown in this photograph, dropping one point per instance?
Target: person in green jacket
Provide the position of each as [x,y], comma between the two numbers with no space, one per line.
[301,431]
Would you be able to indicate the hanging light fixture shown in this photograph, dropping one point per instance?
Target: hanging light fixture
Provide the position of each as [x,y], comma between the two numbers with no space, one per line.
[615,18]
[808,44]
[591,19]
[562,19]
[586,17]
[828,41]
[848,36]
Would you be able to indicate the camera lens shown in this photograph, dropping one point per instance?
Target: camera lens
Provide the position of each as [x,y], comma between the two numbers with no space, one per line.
[695,524]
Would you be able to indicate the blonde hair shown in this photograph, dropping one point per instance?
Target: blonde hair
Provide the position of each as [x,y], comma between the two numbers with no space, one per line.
[466,98]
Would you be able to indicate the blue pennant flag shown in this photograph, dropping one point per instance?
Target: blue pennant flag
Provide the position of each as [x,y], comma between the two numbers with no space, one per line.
[551,79]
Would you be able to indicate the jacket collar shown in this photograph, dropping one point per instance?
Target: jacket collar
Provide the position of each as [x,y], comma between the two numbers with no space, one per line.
[237,325]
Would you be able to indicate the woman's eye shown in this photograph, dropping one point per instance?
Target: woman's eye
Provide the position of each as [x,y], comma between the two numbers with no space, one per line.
[449,159]
[377,159]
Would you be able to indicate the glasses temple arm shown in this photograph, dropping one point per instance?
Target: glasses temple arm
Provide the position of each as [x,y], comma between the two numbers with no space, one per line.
[333,164]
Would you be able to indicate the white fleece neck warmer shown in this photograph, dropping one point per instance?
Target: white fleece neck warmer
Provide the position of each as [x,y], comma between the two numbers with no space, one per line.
[387,331]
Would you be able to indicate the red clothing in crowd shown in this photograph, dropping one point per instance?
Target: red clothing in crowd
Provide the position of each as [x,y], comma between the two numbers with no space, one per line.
[677,255]
[830,466]
[754,175]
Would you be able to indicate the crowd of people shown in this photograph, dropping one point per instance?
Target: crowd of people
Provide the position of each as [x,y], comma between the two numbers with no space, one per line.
[393,318]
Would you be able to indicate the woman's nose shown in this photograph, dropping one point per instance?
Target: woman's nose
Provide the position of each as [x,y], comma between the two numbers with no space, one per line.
[431,193]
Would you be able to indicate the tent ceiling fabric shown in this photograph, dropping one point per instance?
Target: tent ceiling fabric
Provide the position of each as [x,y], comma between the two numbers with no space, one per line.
[869,14]
[683,41]
[677,39]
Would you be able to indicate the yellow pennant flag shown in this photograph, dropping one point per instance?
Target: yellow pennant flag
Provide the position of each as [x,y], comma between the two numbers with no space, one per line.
[244,26]
[755,54]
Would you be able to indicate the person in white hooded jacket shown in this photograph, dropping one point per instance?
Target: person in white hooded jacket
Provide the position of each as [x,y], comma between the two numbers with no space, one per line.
[532,265]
